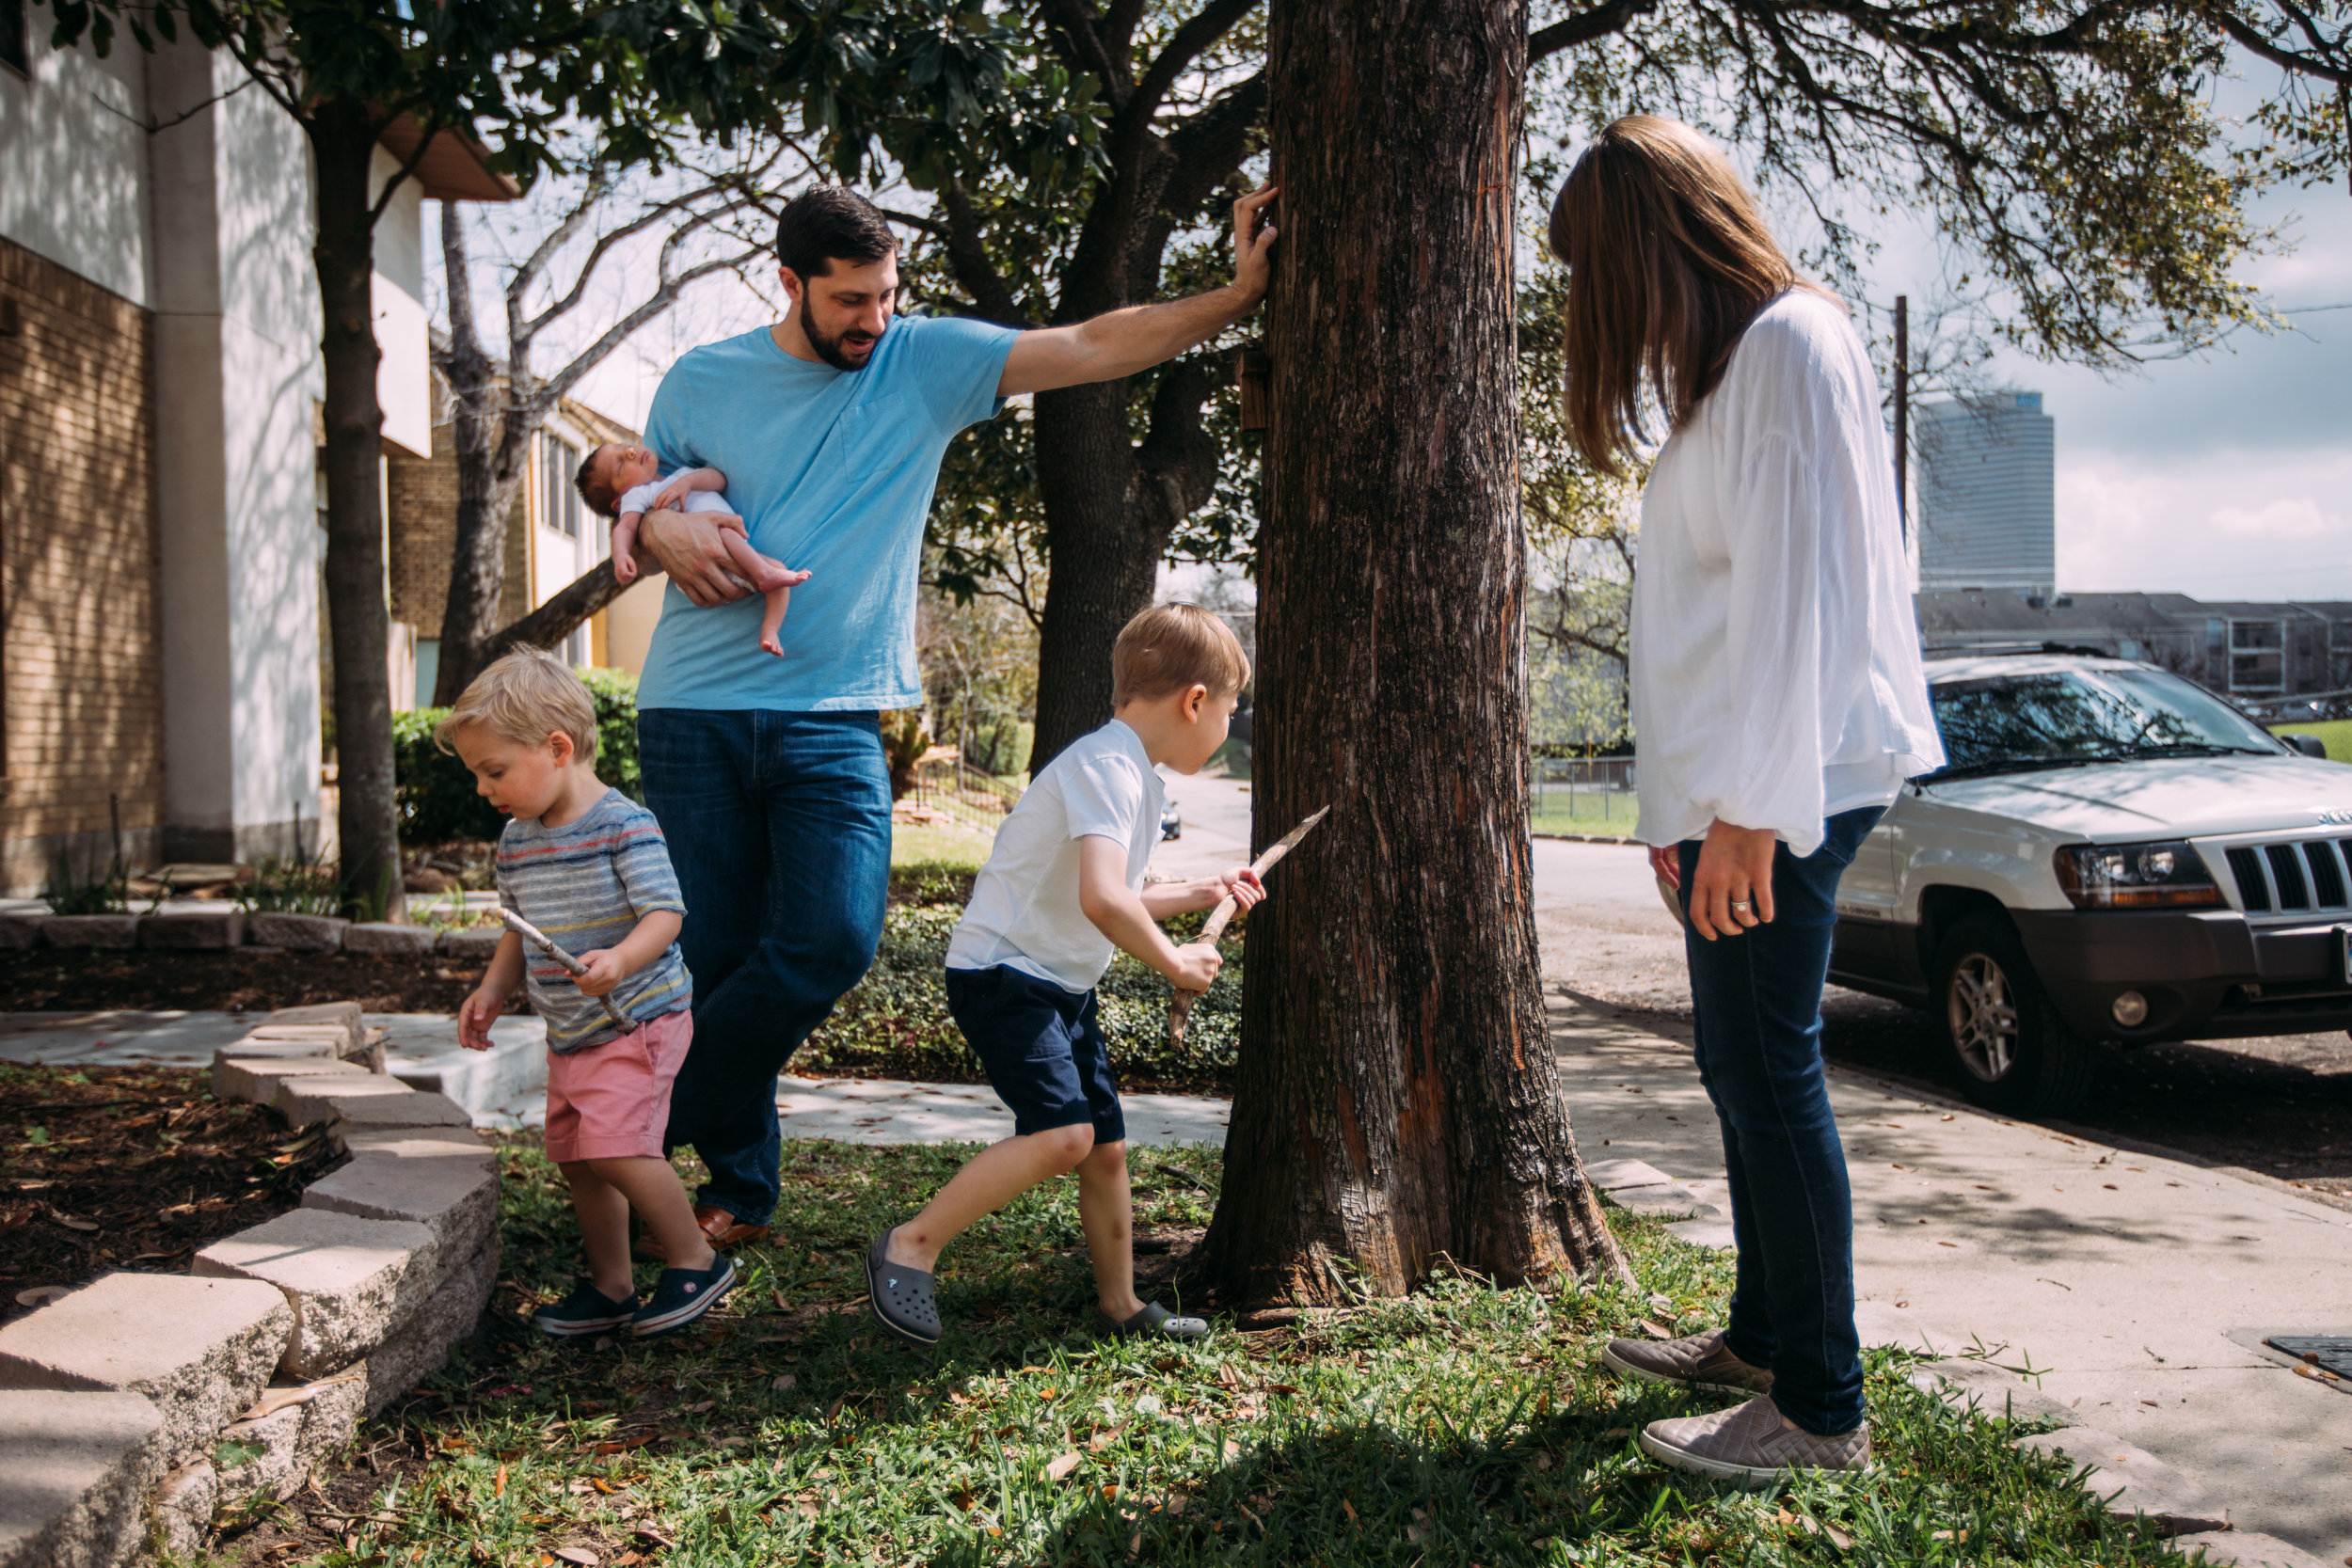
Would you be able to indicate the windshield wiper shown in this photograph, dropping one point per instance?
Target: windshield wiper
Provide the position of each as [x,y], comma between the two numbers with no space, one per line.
[2021,765]
[2196,748]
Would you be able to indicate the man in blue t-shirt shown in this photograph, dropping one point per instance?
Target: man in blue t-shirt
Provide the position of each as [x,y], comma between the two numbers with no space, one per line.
[768,773]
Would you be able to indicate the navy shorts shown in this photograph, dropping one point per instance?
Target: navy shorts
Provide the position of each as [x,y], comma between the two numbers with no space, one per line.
[1041,1048]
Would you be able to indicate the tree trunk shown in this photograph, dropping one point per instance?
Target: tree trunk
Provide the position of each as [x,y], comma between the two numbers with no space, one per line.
[489,464]
[1396,1098]
[343,140]
[1111,506]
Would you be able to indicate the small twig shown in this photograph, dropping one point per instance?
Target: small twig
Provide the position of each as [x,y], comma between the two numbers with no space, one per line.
[1185,1176]
[1180,1002]
[572,966]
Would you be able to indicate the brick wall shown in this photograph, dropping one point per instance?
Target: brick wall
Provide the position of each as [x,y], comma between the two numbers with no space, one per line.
[424,531]
[81,671]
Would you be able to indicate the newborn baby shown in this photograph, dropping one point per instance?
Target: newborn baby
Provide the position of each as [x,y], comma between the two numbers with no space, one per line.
[625,483]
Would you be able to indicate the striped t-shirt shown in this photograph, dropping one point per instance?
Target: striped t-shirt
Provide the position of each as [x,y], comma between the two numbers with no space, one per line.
[586,884]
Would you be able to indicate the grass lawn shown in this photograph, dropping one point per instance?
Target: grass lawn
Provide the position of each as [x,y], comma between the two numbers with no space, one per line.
[1461,1425]
[959,848]
[2337,733]
[1554,811]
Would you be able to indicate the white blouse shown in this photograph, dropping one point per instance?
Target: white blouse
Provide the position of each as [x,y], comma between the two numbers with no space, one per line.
[1775,659]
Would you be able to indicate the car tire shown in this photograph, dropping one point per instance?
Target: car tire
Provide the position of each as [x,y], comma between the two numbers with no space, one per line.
[2004,1046]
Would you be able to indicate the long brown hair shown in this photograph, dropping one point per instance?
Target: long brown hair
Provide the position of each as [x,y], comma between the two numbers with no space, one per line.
[1668,261]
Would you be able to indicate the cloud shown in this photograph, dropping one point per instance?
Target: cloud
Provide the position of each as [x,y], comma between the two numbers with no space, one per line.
[2219,524]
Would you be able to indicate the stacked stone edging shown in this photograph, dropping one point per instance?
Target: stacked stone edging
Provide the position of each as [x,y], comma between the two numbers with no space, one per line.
[228,928]
[134,1407]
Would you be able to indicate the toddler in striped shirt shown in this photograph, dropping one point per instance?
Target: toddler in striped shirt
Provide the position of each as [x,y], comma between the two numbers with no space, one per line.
[587,866]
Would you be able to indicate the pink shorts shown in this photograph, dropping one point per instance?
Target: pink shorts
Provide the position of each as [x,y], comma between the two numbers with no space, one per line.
[612,1101]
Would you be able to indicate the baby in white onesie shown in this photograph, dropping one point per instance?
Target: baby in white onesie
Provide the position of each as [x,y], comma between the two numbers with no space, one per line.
[625,483]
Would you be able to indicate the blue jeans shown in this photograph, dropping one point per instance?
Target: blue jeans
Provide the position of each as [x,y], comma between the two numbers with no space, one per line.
[779,827]
[1756,1004]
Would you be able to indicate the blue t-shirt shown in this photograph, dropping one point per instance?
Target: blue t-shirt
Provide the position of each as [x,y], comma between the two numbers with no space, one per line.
[833,472]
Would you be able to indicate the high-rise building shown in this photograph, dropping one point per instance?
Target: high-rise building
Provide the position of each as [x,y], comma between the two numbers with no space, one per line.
[1988,511]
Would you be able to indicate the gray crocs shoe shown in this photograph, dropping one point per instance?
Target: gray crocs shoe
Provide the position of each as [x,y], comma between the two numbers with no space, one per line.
[901,1299]
[1154,1322]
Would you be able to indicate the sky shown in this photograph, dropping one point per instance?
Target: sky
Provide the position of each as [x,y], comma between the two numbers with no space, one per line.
[2228,475]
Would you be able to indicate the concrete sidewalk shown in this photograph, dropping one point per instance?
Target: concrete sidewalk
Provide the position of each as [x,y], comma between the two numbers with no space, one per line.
[2119,1274]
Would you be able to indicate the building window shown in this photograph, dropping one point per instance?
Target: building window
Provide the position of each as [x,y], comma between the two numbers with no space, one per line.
[561,507]
[12,50]
[2257,657]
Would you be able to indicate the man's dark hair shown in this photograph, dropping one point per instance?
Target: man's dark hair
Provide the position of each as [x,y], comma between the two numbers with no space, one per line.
[828,224]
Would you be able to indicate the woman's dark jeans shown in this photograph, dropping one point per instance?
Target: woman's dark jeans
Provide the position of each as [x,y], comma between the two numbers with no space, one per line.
[1756,1000]
[779,827]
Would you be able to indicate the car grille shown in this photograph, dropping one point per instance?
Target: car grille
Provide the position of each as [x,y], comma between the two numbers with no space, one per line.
[2291,877]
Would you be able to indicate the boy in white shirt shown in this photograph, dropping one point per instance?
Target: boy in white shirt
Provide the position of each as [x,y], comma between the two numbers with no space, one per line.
[1063,885]
[625,483]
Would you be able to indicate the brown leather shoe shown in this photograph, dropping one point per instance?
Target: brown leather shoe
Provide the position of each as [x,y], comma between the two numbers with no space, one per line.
[721,1225]
[1695,1360]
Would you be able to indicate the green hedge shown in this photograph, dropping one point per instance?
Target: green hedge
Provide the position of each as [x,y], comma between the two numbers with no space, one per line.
[436,795]
[894,1025]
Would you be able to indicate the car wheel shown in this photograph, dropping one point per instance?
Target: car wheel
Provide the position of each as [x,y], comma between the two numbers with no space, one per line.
[2004,1047]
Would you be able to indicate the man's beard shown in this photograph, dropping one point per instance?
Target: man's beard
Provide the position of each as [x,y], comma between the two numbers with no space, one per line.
[829,349]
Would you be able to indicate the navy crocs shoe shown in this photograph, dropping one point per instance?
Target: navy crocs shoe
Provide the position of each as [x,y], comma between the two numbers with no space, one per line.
[586,1310]
[904,1301]
[682,1295]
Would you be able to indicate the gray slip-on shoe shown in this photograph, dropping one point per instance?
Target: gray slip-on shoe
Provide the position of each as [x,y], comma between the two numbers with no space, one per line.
[1693,1361]
[1154,1322]
[904,1301]
[1749,1445]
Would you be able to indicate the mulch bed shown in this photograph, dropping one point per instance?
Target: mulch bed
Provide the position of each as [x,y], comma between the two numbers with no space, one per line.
[255,980]
[134,1168]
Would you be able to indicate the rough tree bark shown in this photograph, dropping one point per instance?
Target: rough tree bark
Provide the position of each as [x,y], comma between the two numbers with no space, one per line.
[489,460]
[1396,1095]
[342,137]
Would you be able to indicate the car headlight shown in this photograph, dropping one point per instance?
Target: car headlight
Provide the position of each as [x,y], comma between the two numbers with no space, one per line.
[2137,876]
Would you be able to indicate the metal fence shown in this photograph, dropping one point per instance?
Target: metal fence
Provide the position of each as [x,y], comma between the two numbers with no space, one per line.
[949,789]
[1582,795]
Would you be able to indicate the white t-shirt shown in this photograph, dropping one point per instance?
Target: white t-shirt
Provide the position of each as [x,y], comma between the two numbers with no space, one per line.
[1024,910]
[1776,670]
[640,498]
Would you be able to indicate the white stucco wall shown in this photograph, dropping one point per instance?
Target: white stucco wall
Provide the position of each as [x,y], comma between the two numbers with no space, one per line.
[403,379]
[74,161]
[237,375]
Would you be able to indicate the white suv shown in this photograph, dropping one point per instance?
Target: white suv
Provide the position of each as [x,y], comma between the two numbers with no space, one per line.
[2112,855]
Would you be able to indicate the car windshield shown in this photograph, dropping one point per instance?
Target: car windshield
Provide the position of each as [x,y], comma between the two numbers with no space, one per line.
[2072,717]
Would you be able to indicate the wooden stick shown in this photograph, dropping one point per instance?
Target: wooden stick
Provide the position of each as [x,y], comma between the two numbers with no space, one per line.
[1180,1002]
[572,966]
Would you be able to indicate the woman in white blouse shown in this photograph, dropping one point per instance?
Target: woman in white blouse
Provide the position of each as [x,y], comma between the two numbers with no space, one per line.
[1778,707]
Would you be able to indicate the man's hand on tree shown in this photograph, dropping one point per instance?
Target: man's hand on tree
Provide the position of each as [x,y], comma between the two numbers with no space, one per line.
[687,547]
[1253,243]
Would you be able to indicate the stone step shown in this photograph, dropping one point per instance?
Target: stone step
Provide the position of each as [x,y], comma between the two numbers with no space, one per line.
[423,1343]
[258,1080]
[456,1199]
[21,931]
[2246,1549]
[362,1113]
[1611,1176]
[2143,1485]
[475,945]
[344,1016]
[387,937]
[74,1468]
[305,1101]
[91,930]
[349,1280]
[202,929]
[295,933]
[412,1143]
[200,1349]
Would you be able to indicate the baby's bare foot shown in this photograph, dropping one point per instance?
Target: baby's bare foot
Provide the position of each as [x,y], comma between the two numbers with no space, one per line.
[770,645]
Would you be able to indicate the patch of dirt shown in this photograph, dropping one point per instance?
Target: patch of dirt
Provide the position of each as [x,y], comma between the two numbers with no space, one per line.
[134,1168]
[249,979]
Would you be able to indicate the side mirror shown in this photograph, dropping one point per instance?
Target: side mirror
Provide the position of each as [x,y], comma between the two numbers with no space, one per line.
[2310,745]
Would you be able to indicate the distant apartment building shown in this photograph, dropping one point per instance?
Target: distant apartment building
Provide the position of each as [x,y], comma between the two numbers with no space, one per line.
[1987,496]
[160,597]
[2258,653]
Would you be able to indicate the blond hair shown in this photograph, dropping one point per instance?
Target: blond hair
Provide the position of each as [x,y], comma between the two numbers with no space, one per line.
[1173,646]
[526,697]
[1668,261]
